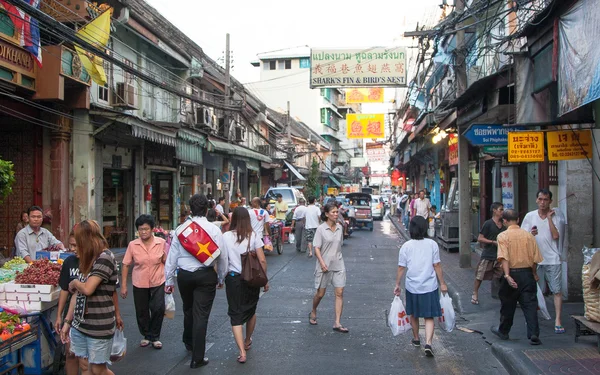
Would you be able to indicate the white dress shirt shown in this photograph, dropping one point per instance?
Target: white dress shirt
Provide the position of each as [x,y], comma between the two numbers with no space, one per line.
[233,250]
[313,214]
[179,258]
[299,213]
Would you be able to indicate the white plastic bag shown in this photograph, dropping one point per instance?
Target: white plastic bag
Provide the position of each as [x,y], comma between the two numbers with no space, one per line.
[292,238]
[169,306]
[398,321]
[448,318]
[542,309]
[119,346]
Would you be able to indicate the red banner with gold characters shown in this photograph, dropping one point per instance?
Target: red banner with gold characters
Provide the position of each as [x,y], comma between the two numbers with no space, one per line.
[367,126]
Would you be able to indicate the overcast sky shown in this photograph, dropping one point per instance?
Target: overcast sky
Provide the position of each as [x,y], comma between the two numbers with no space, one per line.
[267,25]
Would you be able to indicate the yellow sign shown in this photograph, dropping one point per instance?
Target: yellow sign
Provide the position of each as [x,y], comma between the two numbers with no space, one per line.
[525,147]
[569,144]
[365,126]
[364,95]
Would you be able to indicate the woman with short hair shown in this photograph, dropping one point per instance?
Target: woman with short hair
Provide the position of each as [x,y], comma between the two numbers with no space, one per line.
[147,255]
[419,258]
[241,297]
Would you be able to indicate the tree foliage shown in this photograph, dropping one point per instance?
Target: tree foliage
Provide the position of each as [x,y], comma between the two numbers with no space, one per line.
[312,183]
[7,178]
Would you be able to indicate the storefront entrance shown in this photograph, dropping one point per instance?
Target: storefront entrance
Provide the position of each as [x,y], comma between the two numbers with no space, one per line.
[162,199]
[117,206]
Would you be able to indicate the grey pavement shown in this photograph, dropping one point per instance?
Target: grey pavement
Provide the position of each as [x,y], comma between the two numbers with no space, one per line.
[558,354]
[284,342]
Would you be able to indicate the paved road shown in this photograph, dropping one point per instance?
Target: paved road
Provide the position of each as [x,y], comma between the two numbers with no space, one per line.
[285,343]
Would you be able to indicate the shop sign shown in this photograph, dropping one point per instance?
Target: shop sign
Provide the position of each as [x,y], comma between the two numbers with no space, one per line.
[371,67]
[489,134]
[508,187]
[569,144]
[365,126]
[16,56]
[452,149]
[364,95]
[495,149]
[525,147]
[376,152]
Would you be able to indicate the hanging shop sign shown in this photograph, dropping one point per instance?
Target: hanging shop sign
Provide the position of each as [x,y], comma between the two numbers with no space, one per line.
[452,149]
[364,95]
[508,187]
[362,126]
[495,149]
[569,144]
[370,67]
[489,134]
[525,147]
[376,152]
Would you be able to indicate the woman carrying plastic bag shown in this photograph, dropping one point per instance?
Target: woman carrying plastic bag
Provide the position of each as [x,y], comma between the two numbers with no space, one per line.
[169,306]
[119,346]
[419,258]
[398,320]
[448,318]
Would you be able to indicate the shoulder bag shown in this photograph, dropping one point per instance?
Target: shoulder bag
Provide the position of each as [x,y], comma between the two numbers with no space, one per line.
[252,271]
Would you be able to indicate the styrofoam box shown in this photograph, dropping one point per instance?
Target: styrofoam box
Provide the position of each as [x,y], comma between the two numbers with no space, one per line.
[29,288]
[2,296]
[33,297]
[33,306]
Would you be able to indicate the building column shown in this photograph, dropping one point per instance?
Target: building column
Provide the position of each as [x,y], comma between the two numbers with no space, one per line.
[84,168]
[59,165]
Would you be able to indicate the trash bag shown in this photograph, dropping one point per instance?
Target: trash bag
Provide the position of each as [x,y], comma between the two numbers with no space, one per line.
[448,318]
[169,306]
[398,321]
[119,346]
[292,238]
[542,309]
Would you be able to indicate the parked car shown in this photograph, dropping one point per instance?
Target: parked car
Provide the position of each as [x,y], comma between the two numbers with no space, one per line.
[362,205]
[377,207]
[290,195]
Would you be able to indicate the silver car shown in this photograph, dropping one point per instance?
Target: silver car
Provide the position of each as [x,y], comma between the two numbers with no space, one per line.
[377,207]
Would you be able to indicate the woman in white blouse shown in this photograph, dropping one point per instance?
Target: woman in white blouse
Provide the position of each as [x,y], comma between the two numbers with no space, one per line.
[242,298]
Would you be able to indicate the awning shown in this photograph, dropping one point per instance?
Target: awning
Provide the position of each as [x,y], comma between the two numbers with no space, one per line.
[295,171]
[235,150]
[142,129]
[335,181]
[189,147]
[253,165]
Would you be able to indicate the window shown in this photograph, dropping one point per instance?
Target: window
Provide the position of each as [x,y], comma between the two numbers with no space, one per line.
[280,64]
[288,64]
[304,63]
[272,65]
[128,76]
[103,90]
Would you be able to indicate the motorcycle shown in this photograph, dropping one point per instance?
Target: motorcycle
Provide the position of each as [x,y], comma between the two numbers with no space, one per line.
[348,225]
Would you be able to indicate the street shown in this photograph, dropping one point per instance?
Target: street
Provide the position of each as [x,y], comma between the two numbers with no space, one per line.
[284,342]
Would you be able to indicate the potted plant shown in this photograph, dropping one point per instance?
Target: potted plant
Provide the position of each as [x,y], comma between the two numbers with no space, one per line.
[7,178]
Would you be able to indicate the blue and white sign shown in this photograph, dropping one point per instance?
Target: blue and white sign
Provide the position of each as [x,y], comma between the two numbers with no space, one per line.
[489,134]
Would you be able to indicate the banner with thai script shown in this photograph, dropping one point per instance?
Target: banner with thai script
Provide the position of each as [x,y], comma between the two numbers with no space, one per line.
[361,126]
[525,147]
[508,187]
[364,95]
[370,67]
[569,144]
[376,152]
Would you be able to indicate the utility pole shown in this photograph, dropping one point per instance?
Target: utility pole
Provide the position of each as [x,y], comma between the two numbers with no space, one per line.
[289,134]
[227,84]
[464,181]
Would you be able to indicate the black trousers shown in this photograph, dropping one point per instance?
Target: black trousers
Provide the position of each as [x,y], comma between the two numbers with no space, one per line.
[299,234]
[198,291]
[526,295]
[150,310]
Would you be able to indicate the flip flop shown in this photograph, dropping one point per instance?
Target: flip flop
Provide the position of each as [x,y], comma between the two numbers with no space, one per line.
[144,343]
[312,321]
[341,329]
[157,345]
[241,359]
[474,301]
[559,330]
[248,346]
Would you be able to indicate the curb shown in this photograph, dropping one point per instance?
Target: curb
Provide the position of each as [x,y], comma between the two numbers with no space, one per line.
[453,290]
[513,362]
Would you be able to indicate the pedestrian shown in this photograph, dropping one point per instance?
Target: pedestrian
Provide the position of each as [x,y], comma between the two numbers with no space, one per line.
[147,256]
[548,227]
[403,209]
[242,298]
[243,202]
[197,281]
[413,200]
[311,222]
[91,320]
[488,267]
[281,208]
[260,221]
[33,238]
[298,225]
[217,218]
[519,254]
[220,204]
[422,205]
[330,267]
[393,203]
[419,258]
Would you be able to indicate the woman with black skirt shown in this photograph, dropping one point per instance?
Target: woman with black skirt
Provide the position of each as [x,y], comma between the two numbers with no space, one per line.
[241,297]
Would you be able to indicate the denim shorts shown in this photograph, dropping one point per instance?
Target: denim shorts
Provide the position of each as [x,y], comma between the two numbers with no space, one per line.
[97,351]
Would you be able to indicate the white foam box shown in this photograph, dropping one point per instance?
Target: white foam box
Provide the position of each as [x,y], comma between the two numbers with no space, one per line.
[33,297]
[33,306]
[29,288]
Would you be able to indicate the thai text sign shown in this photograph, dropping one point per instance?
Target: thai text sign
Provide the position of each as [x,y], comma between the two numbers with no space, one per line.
[452,149]
[525,147]
[508,187]
[365,126]
[371,67]
[364,95]
[488,134]
[569,145]
[376,152]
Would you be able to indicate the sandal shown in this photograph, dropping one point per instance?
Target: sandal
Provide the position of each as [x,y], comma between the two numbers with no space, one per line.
[312,321]
[559,330]
[248,346]
[144,343]
[341,329]
[474,300]
[157,345]
[241,359]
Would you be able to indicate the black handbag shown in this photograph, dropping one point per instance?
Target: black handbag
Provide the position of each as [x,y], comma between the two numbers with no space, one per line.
[252,271]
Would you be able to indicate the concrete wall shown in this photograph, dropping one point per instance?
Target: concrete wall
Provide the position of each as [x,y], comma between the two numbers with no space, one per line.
[83,172]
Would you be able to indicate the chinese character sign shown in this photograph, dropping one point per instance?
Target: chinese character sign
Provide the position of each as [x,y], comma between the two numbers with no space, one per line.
[569,145]
[364,95]
[365,126]
[452,149]
[371,67]
[525,147]
[508,187]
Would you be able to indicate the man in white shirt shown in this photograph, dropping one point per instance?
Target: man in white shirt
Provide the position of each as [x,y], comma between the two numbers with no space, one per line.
[548,227]
[393,203]
[196,281]
[219,207]
[260,220]
[298,225]
[422,205]
[312,221]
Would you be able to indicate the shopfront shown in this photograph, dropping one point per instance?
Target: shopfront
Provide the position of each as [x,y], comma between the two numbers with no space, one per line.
[162,171]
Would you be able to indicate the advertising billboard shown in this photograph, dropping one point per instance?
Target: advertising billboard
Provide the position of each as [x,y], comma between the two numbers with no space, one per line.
[369,126]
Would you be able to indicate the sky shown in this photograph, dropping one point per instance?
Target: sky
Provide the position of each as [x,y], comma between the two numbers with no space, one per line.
[268,25]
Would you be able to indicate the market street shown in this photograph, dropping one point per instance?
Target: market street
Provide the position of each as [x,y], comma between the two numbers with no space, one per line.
[284,342]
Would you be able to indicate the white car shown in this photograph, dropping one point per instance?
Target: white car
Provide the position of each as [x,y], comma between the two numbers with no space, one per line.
[377,207]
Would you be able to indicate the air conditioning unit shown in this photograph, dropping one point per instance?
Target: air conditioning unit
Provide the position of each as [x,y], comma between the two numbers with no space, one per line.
[264,149]
[205,117]
[240,134]
[124,96]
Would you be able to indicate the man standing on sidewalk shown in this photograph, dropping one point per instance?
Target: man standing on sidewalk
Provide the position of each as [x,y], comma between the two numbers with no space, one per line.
[548,227]
[393,203]
[520,255]
[298,225]
[422,205]
[311,222]
[489,268]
